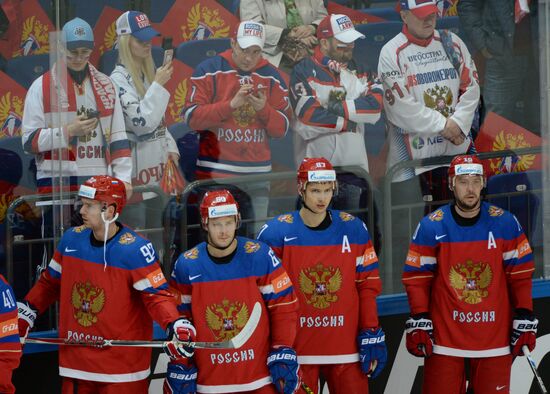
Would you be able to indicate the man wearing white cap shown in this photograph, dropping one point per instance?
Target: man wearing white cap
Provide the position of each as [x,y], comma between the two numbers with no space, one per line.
[237,102]
[335,100]
[431,94]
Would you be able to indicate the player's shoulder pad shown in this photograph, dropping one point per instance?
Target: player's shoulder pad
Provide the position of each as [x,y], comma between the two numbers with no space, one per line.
[253,247]
[191,254]
[344,216]
[284,219]
[128,238]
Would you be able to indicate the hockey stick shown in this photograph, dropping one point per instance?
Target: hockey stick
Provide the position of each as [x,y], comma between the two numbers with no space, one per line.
[306,388]
[533,366]
[234,343]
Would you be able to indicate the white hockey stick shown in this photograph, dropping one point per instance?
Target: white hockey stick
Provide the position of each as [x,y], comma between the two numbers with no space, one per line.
[533,366]
[234,343]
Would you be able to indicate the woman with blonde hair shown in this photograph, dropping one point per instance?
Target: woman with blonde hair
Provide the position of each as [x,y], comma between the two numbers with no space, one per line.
[144,100]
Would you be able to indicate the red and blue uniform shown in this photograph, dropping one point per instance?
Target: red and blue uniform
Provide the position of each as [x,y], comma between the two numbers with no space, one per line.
[470,280]
[235,141]
[219,297]
[10,347]
[336,275]
[111,296]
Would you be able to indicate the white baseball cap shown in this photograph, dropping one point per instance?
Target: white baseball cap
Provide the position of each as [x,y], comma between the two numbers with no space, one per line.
[251,33]
[338,26]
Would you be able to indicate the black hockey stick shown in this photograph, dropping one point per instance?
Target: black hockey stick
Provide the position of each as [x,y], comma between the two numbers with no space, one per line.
[234,343]
[533,366]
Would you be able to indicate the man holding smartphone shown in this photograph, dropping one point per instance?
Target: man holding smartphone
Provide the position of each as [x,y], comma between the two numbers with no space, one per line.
[238,101]
[73,124]
[93,140]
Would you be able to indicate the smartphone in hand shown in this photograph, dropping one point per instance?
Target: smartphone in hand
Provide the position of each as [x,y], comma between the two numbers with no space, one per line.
[168,50]
[93,114]
[168,55]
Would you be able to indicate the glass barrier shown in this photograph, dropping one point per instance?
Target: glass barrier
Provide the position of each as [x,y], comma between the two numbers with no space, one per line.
[174,118]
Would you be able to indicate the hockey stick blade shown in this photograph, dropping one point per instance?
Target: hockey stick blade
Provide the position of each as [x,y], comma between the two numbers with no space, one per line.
[533,366]
[234,343]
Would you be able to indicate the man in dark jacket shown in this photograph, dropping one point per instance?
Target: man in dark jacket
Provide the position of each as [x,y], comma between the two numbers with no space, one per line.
[504,32]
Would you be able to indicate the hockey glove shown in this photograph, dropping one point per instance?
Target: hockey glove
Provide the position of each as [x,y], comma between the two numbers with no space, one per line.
[284,369]
[180,332]
[524,332]
[420,341]
[26,315]
[181,378]
[373,354]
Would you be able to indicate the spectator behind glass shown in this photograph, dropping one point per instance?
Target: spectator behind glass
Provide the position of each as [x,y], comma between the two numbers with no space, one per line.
[430,105]
[93,140]
[144,100]
[237,102]
[334,100]
[505,36]
[290,27]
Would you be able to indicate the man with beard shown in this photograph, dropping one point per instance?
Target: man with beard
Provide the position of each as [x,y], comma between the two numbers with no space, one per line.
[333,99]
[468,279]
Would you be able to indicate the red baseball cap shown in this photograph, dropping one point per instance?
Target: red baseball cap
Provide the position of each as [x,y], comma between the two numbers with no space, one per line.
[420,8]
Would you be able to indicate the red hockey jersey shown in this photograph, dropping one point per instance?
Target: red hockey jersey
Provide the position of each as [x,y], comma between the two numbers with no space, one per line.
[97,300]
[219,299]
[336,275]
[469,279]
[235,142]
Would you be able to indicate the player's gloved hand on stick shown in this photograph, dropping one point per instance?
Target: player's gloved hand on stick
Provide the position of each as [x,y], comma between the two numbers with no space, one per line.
[181,378]
[524,331]
[284,369]
[180,333]
[420,340]
[373,354]
[26,315]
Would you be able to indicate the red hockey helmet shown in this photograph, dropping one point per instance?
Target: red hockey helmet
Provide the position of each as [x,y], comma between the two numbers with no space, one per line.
[106,189]
[217,204]
[465,165]
[315,169]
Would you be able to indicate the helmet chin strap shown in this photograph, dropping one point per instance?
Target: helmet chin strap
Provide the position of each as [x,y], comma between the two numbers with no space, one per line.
[106,223]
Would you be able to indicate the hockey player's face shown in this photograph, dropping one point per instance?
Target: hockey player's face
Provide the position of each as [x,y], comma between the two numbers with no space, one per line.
[246,59]
[419,28]
[339,51]
[91,213]
[317,196]
[467,191]
[221,231]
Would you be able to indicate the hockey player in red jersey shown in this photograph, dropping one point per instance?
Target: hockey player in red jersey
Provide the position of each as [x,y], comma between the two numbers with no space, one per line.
[218,282]
[329,255]
[468,279]
[10,347]
[109,285]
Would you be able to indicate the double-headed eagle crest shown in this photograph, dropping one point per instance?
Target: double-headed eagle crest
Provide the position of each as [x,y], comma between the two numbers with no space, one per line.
[439,98]
[319,285]
[88,300]
[226,319]
[470,281]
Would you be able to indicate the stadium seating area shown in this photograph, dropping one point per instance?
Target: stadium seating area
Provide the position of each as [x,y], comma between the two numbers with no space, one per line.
[190,52]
